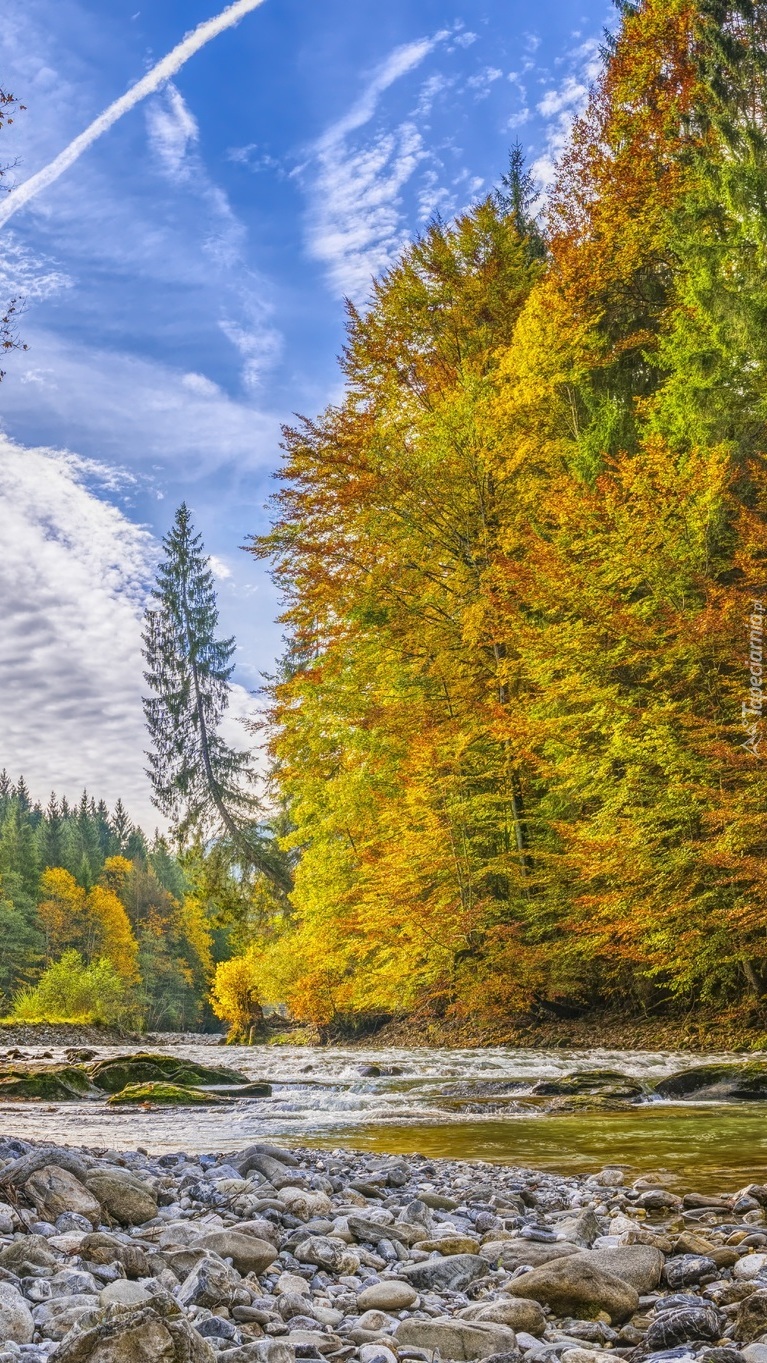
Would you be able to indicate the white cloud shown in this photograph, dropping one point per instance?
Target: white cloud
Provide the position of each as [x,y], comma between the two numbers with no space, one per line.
[172,130]
[562,104]
[73,576]
[483,81]
[465,39]
[354,225]
[28,275]
[220,570]
[258,342]
[130,408]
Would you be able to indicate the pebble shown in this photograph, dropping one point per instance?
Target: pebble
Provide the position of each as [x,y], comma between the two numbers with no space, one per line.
[271,1256]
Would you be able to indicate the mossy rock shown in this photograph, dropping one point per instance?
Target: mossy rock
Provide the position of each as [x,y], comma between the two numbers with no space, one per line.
[119,1072]
[164,1094]
[55,1083]
[255,1090]
[743,1082]
[597,1083]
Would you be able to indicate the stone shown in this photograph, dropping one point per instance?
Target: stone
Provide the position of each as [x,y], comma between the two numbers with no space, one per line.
[259,1351]
[124,1293]
[247,1252]
[513,1254]
[690,1324]
[163,1094]
[516,1312]
[16,1321]
[457,1339]
[327,1252]
[450,1244]
[746,1081]
[142,1336]
[27,1256]
[582,1229]
[124,1197]
[601,1083]
[388,1295]
[751,1320]
[117,1072]
[304,1204]
[755,1353]
[54,1191]
[375,1321]
[689,1269]
[750,1266]
[454,1272]
[376,1353]
[639,1265]
[103,1248]
[72,1282]
[575,1287]
[210,1283]
[56,1317]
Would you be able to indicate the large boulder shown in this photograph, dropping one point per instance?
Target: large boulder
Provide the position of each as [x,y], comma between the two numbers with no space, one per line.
[16,1322]
[639,1265]
[247,1252]
[117,1072]
[161,1093]
[142,1336]
[53,1083]
[744,1082]
[458,1339]
[575,1287]
[124,1196]
[601,1083]
[453,1273]
[54,1191]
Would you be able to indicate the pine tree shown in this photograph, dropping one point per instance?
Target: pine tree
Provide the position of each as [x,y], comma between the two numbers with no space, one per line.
[200,783]
[121,827]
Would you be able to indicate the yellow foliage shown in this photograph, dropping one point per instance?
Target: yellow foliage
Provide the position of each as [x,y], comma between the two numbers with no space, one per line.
[234,995]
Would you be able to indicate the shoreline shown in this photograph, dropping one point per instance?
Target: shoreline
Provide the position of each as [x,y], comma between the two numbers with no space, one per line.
[273,1254]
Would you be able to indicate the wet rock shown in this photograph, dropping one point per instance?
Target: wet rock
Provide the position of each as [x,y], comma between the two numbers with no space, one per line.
[744,1082]
[573,1286]
[54,1192]
[16,1321]
[582,1229]
[678,1327]
[602,1083]
[124,1197]
[161,1093]
[457,1339]
[454,1272]
[117,1072]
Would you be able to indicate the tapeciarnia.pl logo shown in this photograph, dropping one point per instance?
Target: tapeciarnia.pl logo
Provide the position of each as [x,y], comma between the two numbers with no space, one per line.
[753,706]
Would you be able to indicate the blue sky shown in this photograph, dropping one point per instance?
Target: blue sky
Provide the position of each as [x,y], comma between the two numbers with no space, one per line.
[184,284]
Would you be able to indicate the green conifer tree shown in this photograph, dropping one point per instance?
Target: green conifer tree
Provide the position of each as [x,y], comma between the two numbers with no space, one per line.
[200,783]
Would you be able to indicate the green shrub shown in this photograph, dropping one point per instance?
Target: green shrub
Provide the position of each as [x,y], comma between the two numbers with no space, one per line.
[71,991]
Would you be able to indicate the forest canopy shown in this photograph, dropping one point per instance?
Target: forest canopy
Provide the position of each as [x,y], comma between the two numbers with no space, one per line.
[517,727]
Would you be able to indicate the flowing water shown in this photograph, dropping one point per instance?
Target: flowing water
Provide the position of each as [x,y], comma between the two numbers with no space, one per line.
[463,1104]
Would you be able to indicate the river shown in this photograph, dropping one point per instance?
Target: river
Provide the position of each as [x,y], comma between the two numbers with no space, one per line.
[466,1104]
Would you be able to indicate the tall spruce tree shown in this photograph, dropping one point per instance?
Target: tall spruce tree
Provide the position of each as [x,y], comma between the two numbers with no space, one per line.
[200,783]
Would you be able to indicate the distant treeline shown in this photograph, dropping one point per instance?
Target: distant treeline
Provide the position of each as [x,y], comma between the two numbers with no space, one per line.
[95,920]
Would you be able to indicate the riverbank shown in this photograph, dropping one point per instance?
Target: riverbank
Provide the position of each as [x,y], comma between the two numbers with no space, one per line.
[269,1255]
[736,1030]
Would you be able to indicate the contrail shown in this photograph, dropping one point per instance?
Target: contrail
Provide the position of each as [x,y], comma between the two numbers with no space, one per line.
[152,81]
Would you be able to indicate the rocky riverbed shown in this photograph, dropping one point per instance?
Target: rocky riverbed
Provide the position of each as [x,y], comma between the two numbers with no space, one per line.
[269,1255]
